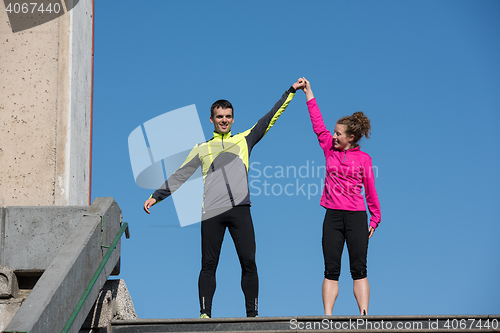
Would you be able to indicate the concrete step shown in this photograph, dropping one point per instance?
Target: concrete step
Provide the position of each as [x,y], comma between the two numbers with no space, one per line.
[440,323]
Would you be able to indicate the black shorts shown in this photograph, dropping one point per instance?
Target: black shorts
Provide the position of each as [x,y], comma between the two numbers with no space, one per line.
[340,226]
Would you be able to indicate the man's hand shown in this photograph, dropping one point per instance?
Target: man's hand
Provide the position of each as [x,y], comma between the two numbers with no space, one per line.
[299,84]
[148,204]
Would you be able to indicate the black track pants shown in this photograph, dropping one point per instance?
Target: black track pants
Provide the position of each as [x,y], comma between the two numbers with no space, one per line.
[343,226]
[239,222]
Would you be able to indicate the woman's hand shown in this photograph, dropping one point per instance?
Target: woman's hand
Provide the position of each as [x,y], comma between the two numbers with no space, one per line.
[371,230]
[307,89]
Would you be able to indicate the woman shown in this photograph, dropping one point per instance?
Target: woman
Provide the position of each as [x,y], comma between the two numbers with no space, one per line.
[348,169]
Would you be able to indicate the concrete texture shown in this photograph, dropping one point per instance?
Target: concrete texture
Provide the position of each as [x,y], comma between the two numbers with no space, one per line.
[78,170]
[2,232]
[309,324]
[34,235]
[8,309]
[58,291]
[8,283]
[45,100]
[113,303]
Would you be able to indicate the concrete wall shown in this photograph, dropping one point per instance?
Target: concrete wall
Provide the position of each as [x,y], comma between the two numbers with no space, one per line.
[58,291]
[45,109]
[113,303]
[78,175]
[32,236]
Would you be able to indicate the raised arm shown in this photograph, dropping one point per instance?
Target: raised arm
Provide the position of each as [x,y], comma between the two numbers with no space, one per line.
[307,90]
[324,136]
[265,123]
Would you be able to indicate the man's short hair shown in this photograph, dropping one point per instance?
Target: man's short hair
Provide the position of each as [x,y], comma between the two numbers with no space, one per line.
[221,103]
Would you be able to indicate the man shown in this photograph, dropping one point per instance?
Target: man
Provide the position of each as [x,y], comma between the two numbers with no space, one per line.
[224,160]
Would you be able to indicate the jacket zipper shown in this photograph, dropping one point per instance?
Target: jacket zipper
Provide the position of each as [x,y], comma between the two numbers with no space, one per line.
[345,154]
[223,141]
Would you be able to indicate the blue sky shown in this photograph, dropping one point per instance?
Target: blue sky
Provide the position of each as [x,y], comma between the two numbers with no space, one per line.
[426,73]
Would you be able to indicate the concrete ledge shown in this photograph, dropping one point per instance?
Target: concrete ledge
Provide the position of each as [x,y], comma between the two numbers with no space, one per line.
[8,283]
[32,236]
[8,308]
[435,323]
[58,291]
[113,302]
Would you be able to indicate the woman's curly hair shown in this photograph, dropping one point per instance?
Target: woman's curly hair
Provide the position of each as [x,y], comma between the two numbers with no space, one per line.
[358,125]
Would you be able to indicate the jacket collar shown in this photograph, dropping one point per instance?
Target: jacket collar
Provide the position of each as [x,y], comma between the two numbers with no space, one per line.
[350,149]
[221,136]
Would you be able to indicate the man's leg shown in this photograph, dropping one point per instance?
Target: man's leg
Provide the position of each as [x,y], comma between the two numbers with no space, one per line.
[212,235]
[241,229]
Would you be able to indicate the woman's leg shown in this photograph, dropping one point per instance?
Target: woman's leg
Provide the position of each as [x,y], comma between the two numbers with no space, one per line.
[357,245]
[361,290]
[333,245]
[330,291]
